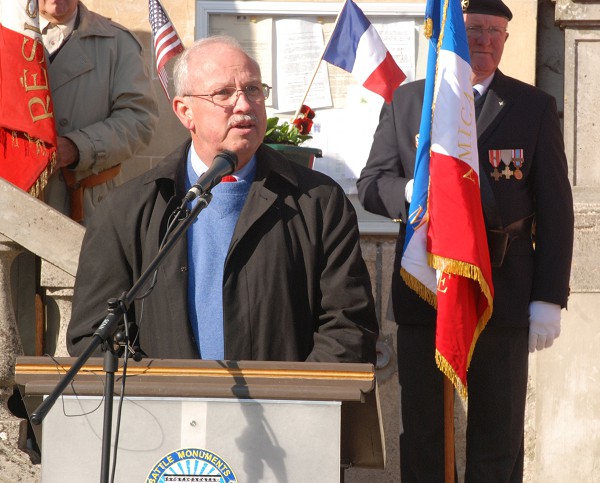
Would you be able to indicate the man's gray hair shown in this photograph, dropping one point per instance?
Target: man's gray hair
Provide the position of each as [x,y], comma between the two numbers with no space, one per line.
[181,76]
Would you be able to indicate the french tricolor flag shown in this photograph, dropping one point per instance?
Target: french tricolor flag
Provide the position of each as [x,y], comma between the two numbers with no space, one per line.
[445,257]
[356,47]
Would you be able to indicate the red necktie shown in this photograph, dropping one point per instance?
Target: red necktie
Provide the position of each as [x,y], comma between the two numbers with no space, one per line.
[228,179]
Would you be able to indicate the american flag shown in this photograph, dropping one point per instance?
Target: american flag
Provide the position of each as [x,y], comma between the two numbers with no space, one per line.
[167,43]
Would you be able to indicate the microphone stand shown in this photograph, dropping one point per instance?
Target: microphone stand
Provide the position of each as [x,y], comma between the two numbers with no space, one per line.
[116,310]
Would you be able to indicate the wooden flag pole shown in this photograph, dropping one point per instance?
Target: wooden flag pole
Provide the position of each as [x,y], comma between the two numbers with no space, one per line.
[448,430]
[314,74]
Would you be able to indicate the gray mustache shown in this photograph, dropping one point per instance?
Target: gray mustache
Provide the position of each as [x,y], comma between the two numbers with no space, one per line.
[241,119]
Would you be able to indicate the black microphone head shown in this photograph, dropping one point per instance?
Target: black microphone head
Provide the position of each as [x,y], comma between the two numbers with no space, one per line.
[230,156]
[224,163]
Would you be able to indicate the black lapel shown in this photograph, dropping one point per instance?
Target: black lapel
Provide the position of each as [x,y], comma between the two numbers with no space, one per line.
[495,107]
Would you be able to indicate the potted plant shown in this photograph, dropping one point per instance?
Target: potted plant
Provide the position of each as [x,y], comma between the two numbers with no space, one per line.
[287,137]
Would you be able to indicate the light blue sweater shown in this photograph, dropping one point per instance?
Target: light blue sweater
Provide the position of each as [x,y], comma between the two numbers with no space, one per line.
[208,243]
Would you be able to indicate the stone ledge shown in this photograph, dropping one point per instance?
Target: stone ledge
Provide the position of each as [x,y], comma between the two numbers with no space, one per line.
[577,14]
[39,228]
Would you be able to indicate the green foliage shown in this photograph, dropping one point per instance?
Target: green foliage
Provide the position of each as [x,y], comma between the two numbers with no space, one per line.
[284,133]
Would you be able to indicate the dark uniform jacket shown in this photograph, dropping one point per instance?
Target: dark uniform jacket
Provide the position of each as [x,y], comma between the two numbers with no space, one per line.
[514,116]
[295,285]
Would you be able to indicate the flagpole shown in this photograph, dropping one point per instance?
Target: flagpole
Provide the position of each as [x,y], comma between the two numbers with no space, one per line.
[448,430]
[314,74]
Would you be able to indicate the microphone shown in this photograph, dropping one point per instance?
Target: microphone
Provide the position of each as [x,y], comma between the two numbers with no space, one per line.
[223,164]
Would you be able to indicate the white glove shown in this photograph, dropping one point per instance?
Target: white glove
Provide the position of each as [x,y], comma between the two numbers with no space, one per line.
[544,324]
[408,190]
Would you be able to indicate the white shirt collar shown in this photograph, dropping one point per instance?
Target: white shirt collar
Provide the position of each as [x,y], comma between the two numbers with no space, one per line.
[53,35]
[200,167]
[483,86]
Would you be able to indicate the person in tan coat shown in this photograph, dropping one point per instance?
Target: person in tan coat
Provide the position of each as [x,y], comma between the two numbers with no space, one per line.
[104,103]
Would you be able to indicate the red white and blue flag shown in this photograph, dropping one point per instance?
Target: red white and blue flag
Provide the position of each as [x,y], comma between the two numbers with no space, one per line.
[27,129]
[446,258]
[167,43]
[356,47]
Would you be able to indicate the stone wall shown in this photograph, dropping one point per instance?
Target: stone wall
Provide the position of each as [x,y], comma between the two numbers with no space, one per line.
[28,226]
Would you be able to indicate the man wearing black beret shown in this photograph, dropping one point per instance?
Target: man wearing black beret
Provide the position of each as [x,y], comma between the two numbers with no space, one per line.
[525,190]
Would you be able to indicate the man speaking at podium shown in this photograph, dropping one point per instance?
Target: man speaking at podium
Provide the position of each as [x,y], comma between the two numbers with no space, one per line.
[270,270]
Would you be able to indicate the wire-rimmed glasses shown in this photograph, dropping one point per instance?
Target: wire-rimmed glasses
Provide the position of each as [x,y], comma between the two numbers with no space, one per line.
[228,96]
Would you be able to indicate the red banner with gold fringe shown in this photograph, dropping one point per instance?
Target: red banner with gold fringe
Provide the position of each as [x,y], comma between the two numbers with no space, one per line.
[27,129]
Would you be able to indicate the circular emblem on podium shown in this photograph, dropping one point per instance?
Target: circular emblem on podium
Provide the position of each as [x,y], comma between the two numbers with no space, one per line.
[191,465]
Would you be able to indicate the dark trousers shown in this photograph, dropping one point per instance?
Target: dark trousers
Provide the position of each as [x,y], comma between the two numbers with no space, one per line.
[497,384]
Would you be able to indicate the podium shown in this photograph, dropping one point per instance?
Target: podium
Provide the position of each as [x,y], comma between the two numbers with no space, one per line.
[231,421]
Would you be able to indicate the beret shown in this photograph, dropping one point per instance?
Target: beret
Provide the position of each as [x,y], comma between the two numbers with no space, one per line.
[487,7]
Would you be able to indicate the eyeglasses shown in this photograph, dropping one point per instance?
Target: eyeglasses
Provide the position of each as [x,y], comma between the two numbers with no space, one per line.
[493,32]
[228,96]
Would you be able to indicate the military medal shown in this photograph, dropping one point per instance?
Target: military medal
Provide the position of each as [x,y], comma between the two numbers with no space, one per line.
[518,160]
[495,157]
[506,156]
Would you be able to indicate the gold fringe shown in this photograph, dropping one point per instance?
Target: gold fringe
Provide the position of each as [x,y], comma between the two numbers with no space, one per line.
[40,184]
[450,373]
[463,269]
[422,291]
[41,149]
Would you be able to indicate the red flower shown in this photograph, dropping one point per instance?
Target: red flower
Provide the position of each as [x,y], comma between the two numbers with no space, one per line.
[304,120]
[307,111]
[294,132]
[303,124]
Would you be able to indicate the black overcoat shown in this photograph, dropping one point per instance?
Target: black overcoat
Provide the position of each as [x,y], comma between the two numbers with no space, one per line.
[295,284]
[514,115]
